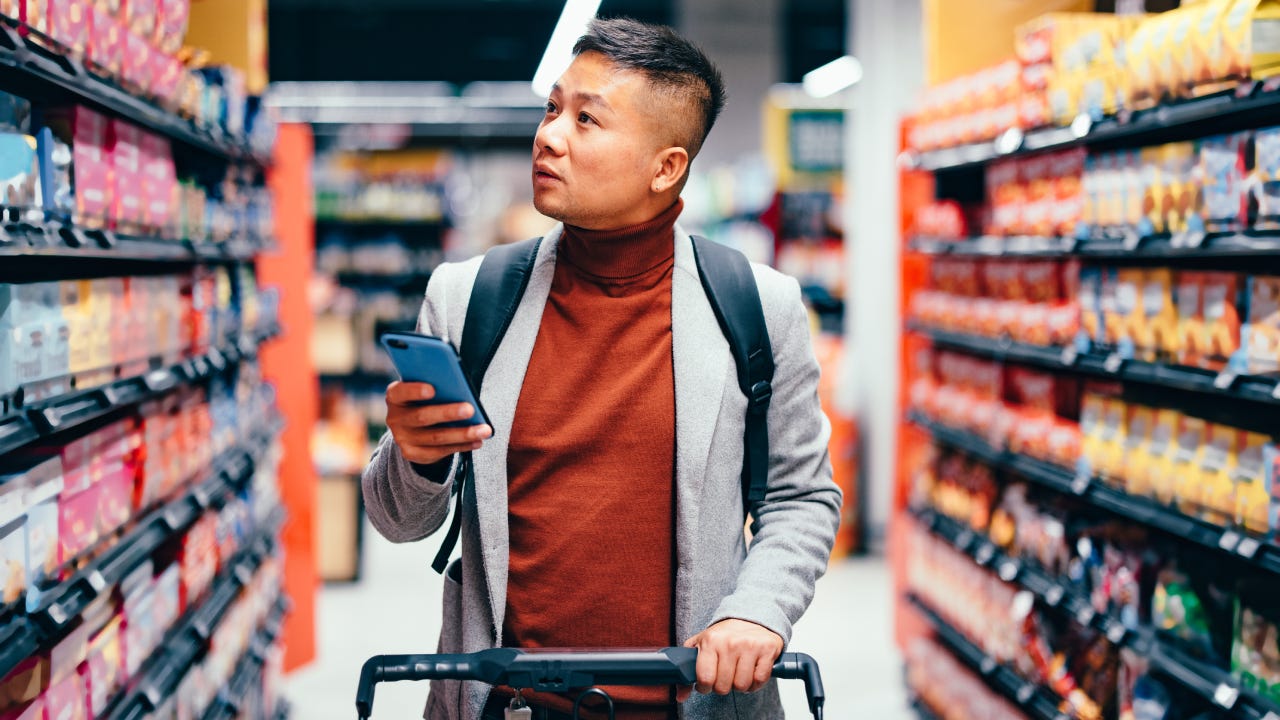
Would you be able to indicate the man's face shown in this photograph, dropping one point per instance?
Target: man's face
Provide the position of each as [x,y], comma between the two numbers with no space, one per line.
[595,153]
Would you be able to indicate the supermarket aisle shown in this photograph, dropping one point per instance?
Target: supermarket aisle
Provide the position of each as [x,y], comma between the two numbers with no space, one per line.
[394,610]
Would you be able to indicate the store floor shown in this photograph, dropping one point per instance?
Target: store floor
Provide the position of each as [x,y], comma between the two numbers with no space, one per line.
[394,609]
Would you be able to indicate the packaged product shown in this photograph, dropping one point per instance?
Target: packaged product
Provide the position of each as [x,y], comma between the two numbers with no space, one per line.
[88,135]
[1157,464]
[127,164]
[1207,47]
[13,545]
[1266,186]
[1157,195]
[141,16]
[21,193]
[1128,324]
[1222,317]
[24,684]
[1222,167]
[1187,459]
[1157,334]
[1182,185]
[1139,423]
[171,30]
[1007,198]
[159,190]
[1091,306]
[1191,338]
[1254,504]
[41,481]
[1036,176]
[1262,333]
[135,63]
[78,524]
[1251,47]
[1067,207]
[69,25]
[1114,321]
[65,700]
[35,14]
[33,710]
[1114,415]
[106,40]
[1216,501]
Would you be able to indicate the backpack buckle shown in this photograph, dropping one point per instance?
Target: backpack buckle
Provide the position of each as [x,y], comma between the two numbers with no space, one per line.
[761,393]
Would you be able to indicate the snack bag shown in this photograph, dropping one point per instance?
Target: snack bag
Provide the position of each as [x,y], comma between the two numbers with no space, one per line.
[1156,196]
[1217,492]
[1114,429]
[1266,177]
[1249,46]
[1113,319]
[1157,335]
[1253,485]
[1066,209]
[1090,307]
[1182,187]
[1262,333]
[1092,411]
[1157,464]
[1222,167]
[1138,427]
[1131,189]
[1191,345]
[1036,176]
[1188,457]
[1206,46]
[1130,324]
[1221,318]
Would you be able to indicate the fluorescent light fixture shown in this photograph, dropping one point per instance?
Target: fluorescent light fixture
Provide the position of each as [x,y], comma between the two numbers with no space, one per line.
[559,53]
[833,77]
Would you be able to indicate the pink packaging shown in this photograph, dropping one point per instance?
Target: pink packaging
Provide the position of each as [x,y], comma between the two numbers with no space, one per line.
[78,523]
[66,700]
[136,64]
[117,495]
[106,40]
[166,79]
[126,157]
[31,711]
[171,31]
[92,164]
[69,24]
[141,16]
[159,182]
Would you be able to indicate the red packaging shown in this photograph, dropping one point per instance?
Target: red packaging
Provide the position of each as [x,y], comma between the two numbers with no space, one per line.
[1222,318]
[197,560]
[78,524]
[89,135]
[127,158]
[30,711]
[1003,284]
[166,81]
[1006,196]
[106,40]
[117,497]
[36,15]
[66,700]
[69,24]
[140,15]
[160,184]
[1067,208]
[1036,175]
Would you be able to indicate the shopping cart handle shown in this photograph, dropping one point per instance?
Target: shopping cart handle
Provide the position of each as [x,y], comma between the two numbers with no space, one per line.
[799,666]
[559,671]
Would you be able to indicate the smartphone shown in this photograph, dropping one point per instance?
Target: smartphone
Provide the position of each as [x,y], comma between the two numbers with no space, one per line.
[428,359]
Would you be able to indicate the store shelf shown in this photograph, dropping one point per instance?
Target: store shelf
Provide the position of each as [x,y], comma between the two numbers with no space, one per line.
[1250,106]
[409,226]
[1257,553]
[42,419]
[1212,685]
[1038,702]
[65,242]
[402,281]
[39,74]
[61,605]
[1160,247]
[188,640]
[1219,385]
[228,703]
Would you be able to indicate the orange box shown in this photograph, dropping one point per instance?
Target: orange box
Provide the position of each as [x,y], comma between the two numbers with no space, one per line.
[1222,317]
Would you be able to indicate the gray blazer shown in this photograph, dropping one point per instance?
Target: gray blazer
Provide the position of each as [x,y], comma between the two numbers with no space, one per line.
[771,582]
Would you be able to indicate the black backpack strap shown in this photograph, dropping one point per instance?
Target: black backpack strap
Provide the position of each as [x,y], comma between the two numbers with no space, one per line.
[500,283]
[731,288]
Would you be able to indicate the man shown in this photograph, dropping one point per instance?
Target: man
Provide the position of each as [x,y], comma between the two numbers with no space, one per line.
[607,504]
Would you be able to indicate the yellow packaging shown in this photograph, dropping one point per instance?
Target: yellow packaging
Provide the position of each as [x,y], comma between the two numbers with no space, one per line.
[1139,424]
[1251,39]
[1156,465]
[1158,334]
[1161,51]
[74,296]
[1216,495]
[1064,96]
[1114,415]
[1182,185]
[1182,56]
[1155,198]
[1207,56]
[1191,340]
[1187,460]
[1130,284]
[1253,492]
[1138,69]
[1093,409]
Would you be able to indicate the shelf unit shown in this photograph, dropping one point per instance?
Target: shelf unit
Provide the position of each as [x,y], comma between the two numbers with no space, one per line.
[35,72]
[1251,105]
[228,703]
[1213,686]
[1220,385]
[188,640]
[1259,554]
[1133,248]
[70,243]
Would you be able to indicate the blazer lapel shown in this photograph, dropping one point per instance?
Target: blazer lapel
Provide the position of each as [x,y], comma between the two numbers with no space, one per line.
[701,360]
[499,394]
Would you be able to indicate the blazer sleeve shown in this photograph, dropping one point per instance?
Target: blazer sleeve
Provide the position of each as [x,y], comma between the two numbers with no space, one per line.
[403,505]
[795,527]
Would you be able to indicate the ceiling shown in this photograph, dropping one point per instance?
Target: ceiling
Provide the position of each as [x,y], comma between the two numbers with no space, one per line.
[460,41]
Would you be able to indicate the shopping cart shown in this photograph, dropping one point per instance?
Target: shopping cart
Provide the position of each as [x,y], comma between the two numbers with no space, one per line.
[565,671]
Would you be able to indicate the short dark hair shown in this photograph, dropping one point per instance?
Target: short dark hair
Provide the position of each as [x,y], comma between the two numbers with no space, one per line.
[670,63]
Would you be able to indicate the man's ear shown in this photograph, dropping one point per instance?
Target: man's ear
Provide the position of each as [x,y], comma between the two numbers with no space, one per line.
[672,164]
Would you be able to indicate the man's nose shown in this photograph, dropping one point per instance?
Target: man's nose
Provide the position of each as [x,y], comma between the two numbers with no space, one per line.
[549,137]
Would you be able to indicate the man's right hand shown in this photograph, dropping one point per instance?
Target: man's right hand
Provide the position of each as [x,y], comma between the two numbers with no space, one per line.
[415,427]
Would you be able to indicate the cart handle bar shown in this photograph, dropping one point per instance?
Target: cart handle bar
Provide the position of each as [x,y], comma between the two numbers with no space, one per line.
[559,671]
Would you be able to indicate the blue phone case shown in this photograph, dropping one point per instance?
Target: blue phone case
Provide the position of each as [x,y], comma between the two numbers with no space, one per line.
[427,359]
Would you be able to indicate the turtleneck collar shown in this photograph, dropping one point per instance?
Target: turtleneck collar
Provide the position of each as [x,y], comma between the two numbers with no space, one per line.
[623,253]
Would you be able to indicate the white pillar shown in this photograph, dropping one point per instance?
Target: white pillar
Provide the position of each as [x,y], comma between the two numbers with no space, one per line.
[887,37]
[743,39]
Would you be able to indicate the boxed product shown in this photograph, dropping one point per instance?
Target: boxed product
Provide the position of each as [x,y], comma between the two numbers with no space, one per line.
[21,194]
[1246,42]
[1091,306]
[69,25]
[22,322]
[35,14]
[106,40]
[127,163]
[103,667]
[1262,333]
[40,481]
[78,524]
[159,183]
[1191,339]
[1156,336]
[1254,482]
[65,700]
[1187,459]
[1222,167]
[88,133]
[1157,194]
[1215,499]
[198,559]
[1266,169]
[1222,317]
[1182,185]
[1114,325]
[171,30]
[1127,325]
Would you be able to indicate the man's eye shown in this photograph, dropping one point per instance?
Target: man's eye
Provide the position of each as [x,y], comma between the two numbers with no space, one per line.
[585,118]
[550,107]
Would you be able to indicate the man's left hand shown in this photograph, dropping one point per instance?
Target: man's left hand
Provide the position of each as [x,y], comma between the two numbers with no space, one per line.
[734,655]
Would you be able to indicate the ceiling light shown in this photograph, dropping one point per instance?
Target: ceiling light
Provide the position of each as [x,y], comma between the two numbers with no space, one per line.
[559,53]
[833,77]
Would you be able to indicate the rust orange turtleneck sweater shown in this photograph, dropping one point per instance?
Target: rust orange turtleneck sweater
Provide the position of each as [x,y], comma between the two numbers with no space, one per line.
[592,458]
